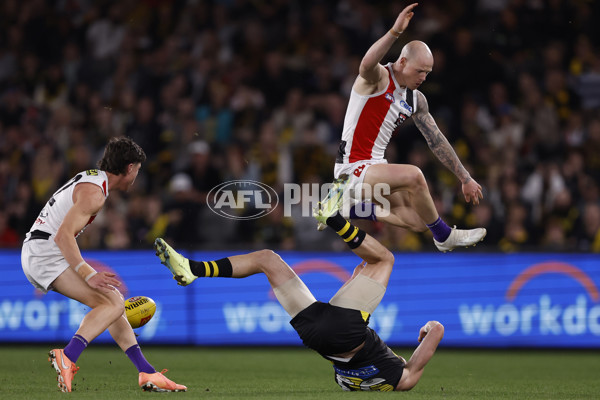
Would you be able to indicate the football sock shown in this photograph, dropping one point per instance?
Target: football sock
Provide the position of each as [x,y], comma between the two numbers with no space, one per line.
[75,347]
[350,233]
[137,358]
[212,269]
[363,211]
[440,230]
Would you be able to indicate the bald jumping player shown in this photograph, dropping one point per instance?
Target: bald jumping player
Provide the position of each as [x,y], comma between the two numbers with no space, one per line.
[382,98]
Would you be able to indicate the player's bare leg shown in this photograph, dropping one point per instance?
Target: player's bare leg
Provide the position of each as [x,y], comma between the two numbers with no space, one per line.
[407,178]
[410,180]
[378,261]
[186,270]
[289,289]
[401,212]
[107,313]
[106,308]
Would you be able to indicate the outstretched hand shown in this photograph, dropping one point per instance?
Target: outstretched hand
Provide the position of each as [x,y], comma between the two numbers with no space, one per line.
[404,18]
[104,281]
[472,191]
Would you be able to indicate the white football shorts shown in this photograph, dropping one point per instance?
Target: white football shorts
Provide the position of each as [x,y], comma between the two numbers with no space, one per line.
[42,262]
[356,175]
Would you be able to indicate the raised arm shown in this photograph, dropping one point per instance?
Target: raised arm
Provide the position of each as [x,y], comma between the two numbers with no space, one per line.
[370,69]
[430,336]
[442,149]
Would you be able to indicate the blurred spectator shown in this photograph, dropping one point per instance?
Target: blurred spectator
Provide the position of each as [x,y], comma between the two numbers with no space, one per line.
[483,215]
[8,236]
[309,158]
[144,129]
[273,230]
[592,148]
[589,236]
[559,95]
[116,236]
[200,169]
[46,172]
[183,211]
[292,117]
[588,83]
[104,36]
[215,116]
[147,220]
[517,233]
[269,162]
[541,188]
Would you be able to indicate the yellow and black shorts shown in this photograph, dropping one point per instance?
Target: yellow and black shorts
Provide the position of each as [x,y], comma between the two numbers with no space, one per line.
[330,330]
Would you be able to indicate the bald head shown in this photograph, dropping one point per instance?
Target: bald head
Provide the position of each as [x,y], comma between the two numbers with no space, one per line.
[414,64]
[416,50]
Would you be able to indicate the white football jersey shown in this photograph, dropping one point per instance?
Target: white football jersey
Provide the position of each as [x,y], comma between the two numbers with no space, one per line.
[55,210]
[371,120]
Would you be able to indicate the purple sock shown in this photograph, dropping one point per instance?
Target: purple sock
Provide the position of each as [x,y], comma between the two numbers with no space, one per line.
[440,230]
[75,347]
[365,211]
[137,358]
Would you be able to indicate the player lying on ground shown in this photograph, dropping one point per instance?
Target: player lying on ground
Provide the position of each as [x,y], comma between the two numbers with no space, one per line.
[51,260]
[337,330]
[382,98]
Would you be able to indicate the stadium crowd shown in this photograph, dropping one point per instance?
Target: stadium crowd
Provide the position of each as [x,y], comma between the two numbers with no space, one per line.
[242,89]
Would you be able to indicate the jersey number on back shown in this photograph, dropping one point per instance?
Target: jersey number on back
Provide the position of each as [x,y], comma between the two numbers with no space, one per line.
[65,186]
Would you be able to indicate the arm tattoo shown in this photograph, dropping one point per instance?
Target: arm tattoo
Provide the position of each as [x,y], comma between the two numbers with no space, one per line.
[436,140]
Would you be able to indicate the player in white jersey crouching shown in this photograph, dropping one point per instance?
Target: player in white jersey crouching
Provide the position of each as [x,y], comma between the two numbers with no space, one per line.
[382,98]
[51,260]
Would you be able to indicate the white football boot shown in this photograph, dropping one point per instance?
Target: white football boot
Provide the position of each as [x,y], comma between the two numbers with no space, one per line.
[461,238]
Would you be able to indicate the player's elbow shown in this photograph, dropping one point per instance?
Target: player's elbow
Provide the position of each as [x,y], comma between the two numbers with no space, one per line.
[407,388]
[436,329]
[368,70]
[60,238]
[364,68]
[409,380]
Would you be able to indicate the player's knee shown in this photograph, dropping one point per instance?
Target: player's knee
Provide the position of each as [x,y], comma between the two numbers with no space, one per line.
[388,258]
[117,303]
[112,302]
[416,179]
[413,178]
[267,258]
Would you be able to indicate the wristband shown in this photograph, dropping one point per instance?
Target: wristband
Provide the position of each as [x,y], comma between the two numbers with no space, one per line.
[85,270]
[87,278]
[395,33]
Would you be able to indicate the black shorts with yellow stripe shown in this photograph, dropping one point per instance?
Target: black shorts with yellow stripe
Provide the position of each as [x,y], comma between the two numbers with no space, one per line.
[331,330]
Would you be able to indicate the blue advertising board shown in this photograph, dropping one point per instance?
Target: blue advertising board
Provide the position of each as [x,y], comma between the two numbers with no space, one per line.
[483,300]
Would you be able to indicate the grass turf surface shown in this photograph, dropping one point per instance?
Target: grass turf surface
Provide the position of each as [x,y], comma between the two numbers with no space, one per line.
[296,373]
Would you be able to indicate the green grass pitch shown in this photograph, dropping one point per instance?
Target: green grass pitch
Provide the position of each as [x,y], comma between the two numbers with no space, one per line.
[297,373]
